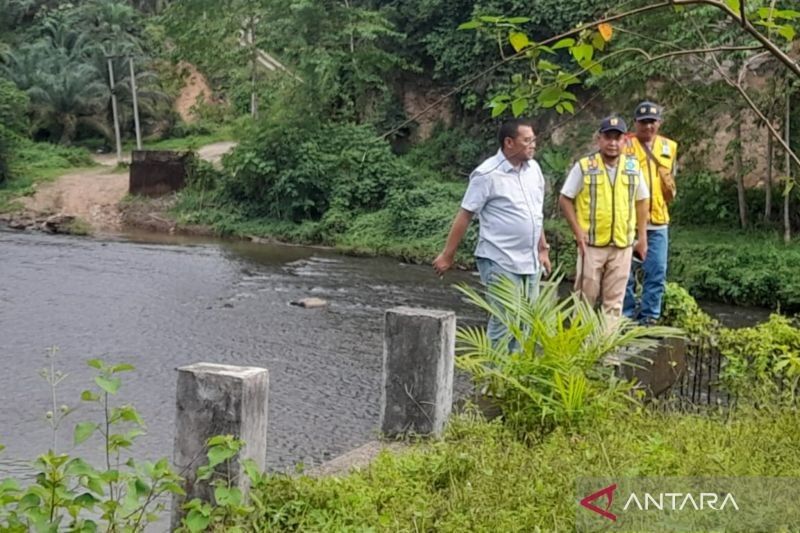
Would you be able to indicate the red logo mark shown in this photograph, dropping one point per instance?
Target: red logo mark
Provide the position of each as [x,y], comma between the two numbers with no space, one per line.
[608,492]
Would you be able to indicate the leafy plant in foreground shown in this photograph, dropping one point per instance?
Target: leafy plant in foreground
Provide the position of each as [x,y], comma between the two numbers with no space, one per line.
[561,373]
[70,494]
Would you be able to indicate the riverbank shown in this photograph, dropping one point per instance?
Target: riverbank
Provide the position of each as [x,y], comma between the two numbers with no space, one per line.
[95,200]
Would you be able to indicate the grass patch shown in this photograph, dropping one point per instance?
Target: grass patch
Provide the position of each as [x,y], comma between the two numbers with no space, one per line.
[480,478]
[38,162]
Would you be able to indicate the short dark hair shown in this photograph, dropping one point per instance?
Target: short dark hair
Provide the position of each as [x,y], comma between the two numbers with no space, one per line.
[510,128]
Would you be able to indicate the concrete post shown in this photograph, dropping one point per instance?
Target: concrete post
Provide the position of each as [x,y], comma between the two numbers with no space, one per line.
[218,400]
[418,356]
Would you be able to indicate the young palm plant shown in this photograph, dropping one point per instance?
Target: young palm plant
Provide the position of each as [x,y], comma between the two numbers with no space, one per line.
[552,368]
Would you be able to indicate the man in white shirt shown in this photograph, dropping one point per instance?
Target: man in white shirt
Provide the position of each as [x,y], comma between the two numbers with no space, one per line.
[605,201]
[506,194]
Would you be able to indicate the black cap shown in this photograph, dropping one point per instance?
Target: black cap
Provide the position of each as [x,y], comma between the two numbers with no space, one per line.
[647,111]
[613,123]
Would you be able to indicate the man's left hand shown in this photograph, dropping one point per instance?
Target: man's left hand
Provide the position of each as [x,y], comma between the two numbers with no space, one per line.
[544,259]
[641,248]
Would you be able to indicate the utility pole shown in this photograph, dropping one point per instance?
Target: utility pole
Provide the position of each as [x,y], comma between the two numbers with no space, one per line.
[135,106]
[114,110]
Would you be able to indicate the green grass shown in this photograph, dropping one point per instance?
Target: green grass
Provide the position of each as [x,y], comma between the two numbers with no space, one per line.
[480,478]
[38,162]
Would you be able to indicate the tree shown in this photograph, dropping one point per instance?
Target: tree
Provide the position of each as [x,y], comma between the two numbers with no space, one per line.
[549,85]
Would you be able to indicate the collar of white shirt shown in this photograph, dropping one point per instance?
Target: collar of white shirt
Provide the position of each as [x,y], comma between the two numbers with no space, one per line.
[506,166]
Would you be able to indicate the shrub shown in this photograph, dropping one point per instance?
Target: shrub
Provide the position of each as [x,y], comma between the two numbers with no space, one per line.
[5,154]
[763,361]
[744,269]
[299,172]
[13,108]
[549,370]
[451,153]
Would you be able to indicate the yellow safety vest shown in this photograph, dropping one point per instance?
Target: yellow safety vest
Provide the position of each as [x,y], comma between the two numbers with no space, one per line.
[608,213]
[665,151]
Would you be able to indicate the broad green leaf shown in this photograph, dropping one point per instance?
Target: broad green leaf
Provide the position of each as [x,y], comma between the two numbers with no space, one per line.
[788,14]
[89,396]
[568,106]
[498,109]
[598,42]
[519,40]
[734,5]
[490,19]
[519,106]
[546,65]
[583,52]
[518,20]
[79,467]
[566,79]
[196,521]
[218,440]
[787,32]
[564,43]
[110,385]
[86,500]
[122,367]
[550,96]
[218,454]
[95,363]
[471,25]
[765,13]
[83,430]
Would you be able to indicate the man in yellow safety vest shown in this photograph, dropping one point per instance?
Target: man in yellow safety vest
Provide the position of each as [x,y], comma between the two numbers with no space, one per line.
[657,155]
[605,201]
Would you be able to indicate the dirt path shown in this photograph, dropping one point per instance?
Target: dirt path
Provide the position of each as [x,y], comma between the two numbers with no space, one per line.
[93,195]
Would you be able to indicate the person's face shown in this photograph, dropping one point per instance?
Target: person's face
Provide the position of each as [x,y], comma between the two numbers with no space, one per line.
[646,129]
[523,146]
[609,143]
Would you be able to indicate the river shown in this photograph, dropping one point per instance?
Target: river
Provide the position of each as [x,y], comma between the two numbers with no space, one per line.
[160,302]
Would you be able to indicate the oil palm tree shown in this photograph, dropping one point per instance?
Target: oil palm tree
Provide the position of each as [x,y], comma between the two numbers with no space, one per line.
[70,96]
[558,374]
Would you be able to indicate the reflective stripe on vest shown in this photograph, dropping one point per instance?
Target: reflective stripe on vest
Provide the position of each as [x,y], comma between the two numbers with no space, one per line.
[608,213]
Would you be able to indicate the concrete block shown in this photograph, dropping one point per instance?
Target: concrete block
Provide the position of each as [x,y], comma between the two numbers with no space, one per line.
[215,400]
[159,172]
[418,359]
[658,368]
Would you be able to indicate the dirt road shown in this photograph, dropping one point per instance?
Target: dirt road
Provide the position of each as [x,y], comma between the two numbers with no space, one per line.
[93,195]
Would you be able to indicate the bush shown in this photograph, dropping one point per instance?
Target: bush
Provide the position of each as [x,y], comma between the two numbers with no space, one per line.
[451,153]
[739,268]
[299,172]
[13,108]
[763,361]
[5,154]
[706,199]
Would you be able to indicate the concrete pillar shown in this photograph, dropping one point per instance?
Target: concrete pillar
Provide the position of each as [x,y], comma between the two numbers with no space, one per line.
[218,400]
[418,356]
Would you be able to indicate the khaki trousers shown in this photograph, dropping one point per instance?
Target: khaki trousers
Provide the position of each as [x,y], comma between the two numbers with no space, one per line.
[603,273]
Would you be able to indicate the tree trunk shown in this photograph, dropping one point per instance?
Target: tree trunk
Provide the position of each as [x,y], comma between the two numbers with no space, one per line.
[787,194]
[69,124]
[739,170]
[768,192]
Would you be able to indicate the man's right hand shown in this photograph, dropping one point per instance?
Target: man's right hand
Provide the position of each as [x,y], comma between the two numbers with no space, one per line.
[442,263]
[582,240]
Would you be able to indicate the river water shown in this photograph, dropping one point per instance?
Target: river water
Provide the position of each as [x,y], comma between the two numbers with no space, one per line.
[159,303]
